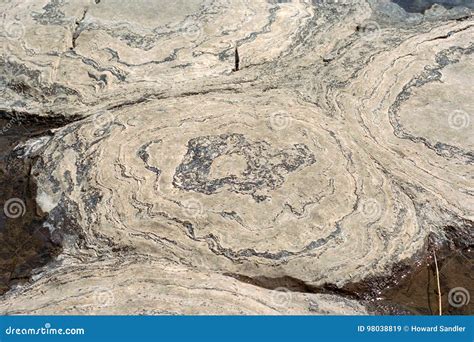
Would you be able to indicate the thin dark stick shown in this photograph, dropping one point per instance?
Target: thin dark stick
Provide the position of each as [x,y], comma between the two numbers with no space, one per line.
[440,306]
[237,59]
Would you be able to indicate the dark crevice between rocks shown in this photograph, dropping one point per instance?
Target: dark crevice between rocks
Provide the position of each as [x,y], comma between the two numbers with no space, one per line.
[411,287]
[292,284]
[77,29]
[236,60]
[25,244]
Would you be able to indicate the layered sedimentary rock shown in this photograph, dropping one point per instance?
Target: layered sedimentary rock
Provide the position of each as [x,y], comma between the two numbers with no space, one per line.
[340,142]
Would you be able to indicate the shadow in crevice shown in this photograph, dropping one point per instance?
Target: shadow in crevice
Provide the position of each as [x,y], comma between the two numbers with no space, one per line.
[411,287]
[25,243]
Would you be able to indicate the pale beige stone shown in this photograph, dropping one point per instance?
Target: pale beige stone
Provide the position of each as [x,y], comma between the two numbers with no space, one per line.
[342,142]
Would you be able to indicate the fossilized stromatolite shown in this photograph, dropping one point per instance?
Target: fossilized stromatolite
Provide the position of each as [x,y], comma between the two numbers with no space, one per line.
[325,159]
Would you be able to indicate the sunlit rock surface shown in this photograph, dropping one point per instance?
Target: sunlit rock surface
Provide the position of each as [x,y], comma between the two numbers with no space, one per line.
[342,142]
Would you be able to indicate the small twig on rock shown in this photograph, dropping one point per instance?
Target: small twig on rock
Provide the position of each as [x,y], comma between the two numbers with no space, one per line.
[431,246]
[438,282]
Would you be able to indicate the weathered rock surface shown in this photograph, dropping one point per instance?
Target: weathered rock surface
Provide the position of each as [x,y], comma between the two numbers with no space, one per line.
[342,142]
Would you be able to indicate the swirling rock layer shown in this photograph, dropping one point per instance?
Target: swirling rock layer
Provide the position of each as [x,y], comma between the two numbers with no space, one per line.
[327,153]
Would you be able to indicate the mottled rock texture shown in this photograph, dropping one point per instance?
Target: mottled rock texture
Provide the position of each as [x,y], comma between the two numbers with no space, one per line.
[342,142]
